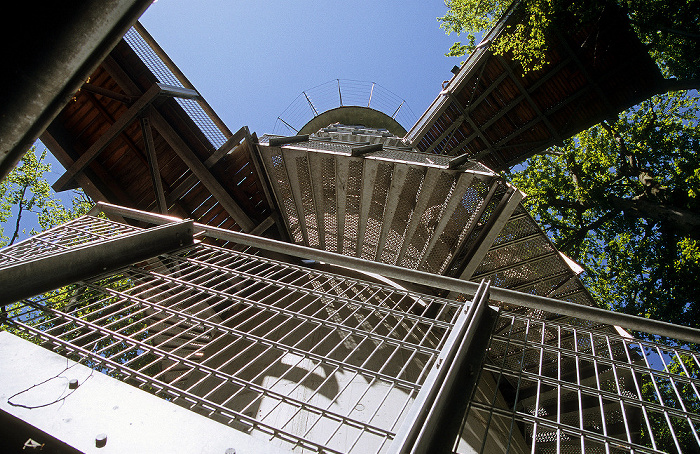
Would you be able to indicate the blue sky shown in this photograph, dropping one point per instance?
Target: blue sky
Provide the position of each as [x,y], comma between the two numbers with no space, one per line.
[251,59]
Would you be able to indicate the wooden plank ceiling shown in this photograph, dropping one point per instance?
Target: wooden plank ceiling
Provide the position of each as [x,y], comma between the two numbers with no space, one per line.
[492,113]
[129,137]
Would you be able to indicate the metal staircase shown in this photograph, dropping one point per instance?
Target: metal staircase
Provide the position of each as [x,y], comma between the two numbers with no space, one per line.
[391,205]
[359,192]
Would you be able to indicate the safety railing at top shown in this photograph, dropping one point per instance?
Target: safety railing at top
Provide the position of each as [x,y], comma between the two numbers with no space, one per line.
[340,93]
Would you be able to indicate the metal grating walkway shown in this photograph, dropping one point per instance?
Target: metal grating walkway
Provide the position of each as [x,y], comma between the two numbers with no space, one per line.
[311,360]
[307,358]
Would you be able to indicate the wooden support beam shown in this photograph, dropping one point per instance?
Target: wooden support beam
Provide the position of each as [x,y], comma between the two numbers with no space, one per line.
[92,88]
[263,226]
[117,127]
[201,172]
[189,182]
[471,122]
[516,80]
[153,165]
[116,194]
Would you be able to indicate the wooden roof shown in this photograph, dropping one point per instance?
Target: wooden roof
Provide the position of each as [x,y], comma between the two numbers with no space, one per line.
[492,113]
[139,135]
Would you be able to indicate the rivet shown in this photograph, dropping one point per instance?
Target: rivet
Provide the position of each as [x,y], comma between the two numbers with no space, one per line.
[230,451]
[73,383]
[101,440]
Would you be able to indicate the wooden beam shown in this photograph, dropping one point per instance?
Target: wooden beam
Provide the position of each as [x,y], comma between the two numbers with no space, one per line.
[83,180]
[263,226]
[189,182]
[126,99]
[153,165]
[555,134]
[117,127]
[201,172]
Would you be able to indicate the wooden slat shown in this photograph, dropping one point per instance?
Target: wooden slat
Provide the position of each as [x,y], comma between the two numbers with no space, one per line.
[117,127]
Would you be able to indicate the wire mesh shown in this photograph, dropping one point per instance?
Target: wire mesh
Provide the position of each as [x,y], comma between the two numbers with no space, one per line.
[166,75]
[306,358]
[568,385]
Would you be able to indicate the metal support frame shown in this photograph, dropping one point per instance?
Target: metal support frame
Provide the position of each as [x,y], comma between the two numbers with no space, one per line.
[117,127]
[161,202]
[202,172]
[365,149]
[333,363]
[279,141]
[47,273]
[420,430]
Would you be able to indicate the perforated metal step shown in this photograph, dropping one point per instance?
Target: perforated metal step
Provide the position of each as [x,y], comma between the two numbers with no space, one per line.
[392,205]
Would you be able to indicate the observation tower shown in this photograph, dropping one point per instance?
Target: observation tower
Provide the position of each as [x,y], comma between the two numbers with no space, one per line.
[357,281]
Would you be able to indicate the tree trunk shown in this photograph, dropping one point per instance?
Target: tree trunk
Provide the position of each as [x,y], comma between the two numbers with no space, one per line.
[684,222]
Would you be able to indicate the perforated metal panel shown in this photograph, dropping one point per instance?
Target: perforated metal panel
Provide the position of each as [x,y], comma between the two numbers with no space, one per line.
[393,206]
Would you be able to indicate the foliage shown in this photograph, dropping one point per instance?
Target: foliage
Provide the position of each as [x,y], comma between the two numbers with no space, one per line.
[26,190]
[622,199]
[668,27]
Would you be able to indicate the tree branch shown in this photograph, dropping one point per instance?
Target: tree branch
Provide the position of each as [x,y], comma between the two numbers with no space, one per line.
[683,221]
[15,235]
[581,233]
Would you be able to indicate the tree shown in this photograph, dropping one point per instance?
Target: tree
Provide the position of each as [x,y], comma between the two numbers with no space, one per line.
[669,28]
[26,190]
[623,199]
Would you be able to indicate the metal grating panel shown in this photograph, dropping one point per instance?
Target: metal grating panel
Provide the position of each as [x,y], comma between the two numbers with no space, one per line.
[166,75]
[375,215]
[406,205]
[304,357]
[51,241]
[392,206]
[308,359]
[575,386]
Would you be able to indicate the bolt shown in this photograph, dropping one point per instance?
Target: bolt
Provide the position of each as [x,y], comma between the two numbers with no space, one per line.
[230,451]
[73,383]
[101,440]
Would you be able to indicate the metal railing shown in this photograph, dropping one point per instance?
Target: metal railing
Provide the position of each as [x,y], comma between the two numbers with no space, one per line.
[338,93]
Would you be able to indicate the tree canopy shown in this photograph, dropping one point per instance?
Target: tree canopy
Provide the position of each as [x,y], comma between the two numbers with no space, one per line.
[26,190]
[622,198]
[669,28]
